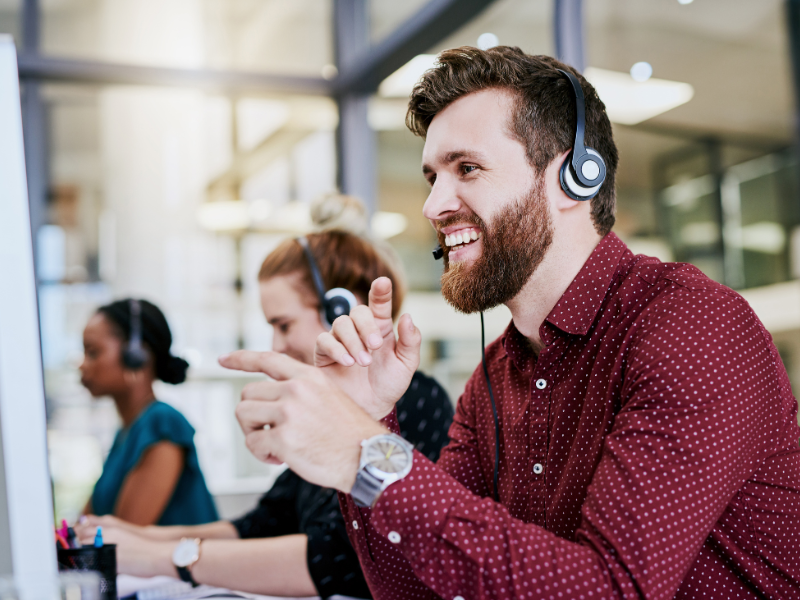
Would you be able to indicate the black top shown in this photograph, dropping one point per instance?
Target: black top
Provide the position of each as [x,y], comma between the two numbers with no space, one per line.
[296,506]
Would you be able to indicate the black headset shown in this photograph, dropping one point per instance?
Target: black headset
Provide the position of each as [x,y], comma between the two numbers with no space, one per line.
[583,172]
[333,303]
[134,356]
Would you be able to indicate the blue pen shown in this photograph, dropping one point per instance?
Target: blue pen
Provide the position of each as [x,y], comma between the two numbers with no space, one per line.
[98,538]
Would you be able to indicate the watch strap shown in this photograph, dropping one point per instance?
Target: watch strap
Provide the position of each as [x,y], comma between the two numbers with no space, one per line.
[366,489]
[186,575]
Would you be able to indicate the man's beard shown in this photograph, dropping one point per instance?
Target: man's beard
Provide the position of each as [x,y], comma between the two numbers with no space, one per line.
[513,247]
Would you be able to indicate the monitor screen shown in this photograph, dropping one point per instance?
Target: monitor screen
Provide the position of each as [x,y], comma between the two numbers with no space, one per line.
[26,513]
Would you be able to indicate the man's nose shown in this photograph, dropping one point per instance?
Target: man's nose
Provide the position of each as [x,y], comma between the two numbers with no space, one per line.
[442,200]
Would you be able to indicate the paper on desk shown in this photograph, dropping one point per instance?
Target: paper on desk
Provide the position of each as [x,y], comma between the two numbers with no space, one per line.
[170,588]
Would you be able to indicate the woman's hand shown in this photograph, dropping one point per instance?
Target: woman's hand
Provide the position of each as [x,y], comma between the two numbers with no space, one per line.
[136,555]
[362,356]
[88,524]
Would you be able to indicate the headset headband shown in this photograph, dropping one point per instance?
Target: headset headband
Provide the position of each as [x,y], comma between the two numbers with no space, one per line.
[319,285]
[134,356]
[136,323]
[578,148]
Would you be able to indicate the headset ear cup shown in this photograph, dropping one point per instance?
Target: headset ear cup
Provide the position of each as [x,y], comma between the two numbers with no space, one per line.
[569,182]
[134,357]
[338,302]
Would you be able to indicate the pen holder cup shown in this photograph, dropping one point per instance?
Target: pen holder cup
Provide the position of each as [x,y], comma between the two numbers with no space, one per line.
[101,560]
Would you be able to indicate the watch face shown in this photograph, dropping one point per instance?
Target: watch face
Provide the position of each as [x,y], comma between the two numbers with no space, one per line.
[386,455]
[185,553]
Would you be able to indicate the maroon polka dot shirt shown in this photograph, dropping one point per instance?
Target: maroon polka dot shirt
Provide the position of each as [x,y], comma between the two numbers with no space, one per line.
[649,451]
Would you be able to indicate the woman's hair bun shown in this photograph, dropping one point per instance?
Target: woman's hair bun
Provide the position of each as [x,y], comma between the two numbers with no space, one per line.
[339,211]
[172,369]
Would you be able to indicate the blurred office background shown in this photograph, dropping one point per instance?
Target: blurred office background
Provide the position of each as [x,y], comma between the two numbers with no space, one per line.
[172,143]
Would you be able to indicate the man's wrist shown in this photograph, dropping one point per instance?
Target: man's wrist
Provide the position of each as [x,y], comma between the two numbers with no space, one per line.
[349,473]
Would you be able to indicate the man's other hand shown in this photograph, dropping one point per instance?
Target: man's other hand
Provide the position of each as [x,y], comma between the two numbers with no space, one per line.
[364,358]
[301,418]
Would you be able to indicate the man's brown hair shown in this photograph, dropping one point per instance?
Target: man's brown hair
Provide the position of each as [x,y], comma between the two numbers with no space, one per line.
[344,260]
[544,118]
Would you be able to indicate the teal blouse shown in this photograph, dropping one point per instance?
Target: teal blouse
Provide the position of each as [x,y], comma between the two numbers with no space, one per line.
[191,502]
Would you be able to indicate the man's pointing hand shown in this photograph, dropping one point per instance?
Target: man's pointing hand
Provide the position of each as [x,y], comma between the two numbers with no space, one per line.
[301,418]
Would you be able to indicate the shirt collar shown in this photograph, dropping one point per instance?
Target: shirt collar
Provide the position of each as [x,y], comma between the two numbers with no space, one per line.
[516,347]
[577,308]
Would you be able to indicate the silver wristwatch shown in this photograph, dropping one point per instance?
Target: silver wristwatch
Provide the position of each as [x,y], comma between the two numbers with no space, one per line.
[385,458]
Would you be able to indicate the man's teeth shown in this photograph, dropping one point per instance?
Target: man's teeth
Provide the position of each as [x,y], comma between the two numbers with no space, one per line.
[464,236]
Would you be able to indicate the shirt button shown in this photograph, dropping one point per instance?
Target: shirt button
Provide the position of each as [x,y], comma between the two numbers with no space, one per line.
[394,537]
[541,384]
[538,468]
[459,598]
[355,524]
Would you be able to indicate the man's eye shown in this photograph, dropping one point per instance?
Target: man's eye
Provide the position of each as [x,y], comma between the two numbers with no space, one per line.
[468,169]
[283,328]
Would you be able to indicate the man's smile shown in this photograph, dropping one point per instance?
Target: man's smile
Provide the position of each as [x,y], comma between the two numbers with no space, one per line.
[462,237]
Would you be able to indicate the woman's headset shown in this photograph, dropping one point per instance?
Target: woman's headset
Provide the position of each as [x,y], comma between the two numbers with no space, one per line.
[134,356]
[333,303]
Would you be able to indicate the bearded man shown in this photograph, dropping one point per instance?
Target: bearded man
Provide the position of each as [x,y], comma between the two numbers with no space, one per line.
[632,434]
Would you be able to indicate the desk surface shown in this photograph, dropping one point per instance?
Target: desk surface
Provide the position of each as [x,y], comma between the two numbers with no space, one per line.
[170,588]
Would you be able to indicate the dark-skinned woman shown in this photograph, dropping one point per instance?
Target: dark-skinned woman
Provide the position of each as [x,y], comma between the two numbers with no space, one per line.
[151,475]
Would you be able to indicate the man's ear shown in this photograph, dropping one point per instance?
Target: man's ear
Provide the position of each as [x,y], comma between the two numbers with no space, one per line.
[558,198]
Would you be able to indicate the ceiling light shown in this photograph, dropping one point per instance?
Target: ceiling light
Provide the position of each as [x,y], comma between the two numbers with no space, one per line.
[400,83]
[329,72]
[629,102]
[387,114]
[224,215]
[487,40]
[641,71]
[388,224]
[236,216]
[259,210]
[685,1]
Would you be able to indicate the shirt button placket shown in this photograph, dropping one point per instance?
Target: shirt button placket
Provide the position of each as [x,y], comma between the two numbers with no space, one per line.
[538,449]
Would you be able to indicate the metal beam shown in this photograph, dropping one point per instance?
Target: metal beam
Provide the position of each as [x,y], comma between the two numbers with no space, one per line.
[37,67]
[431,24]
[31,17]
[34,126]
[356,143]
[568,33]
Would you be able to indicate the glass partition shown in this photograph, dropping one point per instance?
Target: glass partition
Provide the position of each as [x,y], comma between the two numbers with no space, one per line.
[133,173]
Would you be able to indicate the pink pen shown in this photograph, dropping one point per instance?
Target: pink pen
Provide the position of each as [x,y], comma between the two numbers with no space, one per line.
[64,527]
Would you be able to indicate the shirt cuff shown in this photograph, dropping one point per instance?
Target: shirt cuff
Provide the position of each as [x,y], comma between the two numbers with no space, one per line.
[412,513]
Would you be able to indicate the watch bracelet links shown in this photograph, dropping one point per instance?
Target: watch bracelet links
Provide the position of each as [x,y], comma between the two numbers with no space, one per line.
[366,489]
